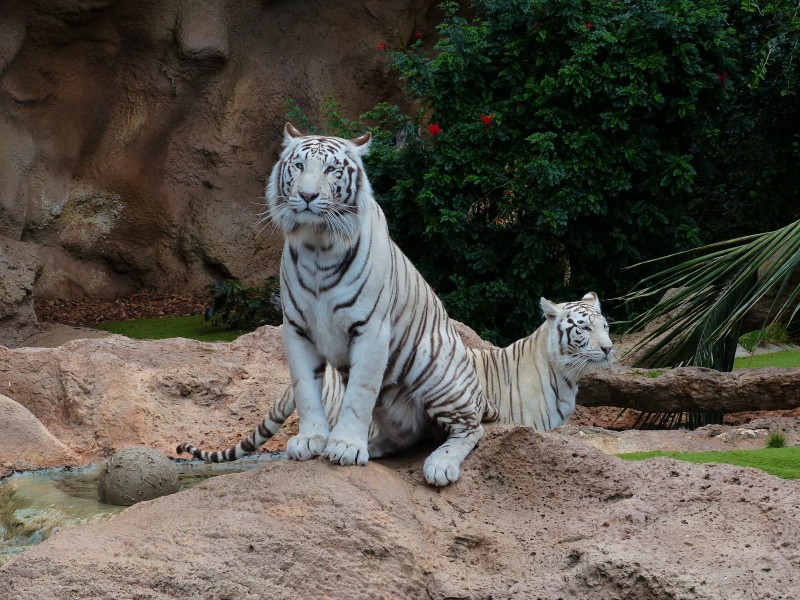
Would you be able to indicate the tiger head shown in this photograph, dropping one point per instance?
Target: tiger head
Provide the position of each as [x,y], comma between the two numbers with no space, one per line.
[578,338]
[317,182]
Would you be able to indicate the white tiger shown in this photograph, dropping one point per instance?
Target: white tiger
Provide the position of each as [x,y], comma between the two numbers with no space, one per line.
[533,382]
[353,301]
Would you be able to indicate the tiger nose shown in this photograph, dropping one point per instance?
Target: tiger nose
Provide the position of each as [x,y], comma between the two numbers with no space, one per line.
[308,197]
[606,349]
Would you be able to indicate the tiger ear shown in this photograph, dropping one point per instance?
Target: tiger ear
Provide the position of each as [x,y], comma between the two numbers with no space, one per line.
[362,143]
[592,300]
[549,309]
[289,133]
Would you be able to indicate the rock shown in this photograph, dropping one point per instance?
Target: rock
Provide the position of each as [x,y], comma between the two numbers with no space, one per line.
[470,337]
[761,312]
[19,269]
[26,444]
[138,135]
[136,474]
[702,439]
[201,32]
[101,395]
[533,515]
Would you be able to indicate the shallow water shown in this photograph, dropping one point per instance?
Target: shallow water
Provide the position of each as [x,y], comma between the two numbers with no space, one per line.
[36,504]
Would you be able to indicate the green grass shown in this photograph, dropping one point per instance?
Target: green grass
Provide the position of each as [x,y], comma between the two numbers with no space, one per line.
[781,462]
[784,358]
[193,327]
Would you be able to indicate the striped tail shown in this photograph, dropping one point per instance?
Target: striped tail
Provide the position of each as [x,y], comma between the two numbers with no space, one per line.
[490,411]
[257,438]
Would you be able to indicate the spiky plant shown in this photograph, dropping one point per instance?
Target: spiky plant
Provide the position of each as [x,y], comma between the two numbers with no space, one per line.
[713,288]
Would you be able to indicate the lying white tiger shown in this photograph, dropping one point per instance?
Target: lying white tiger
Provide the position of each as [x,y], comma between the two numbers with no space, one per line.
[353,301]
[533,382]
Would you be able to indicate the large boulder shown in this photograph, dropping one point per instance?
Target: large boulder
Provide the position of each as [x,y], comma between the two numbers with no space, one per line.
[137,136]
[19,268]
[101,395]
[533,516]
[26,444]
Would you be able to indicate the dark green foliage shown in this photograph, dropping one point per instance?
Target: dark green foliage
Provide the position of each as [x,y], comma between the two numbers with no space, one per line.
[239,307]
[776,440]
[772,334]
[557,142]
[570,139]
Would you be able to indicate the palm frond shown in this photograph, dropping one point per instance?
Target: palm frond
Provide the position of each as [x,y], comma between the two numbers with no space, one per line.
[712,290]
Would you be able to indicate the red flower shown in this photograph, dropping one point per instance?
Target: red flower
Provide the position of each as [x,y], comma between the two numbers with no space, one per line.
[499,220]
[487,119]
[537,26]
[588,25]
[434,129]
[418,34]
[382,46]
[722,76]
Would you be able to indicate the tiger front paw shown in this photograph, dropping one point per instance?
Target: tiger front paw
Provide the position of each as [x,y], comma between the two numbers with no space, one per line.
[305,447]
[346,452]
[440,469]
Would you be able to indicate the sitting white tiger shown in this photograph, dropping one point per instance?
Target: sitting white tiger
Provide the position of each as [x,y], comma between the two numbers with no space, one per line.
[533,382]
[353,301]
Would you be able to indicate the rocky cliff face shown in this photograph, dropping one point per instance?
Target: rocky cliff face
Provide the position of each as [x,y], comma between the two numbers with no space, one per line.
[19,269]
[137,136]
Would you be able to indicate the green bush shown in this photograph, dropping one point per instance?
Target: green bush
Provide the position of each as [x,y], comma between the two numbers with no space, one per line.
[553,147]
[557,143]
[239,307]
[776,440]
[775,333]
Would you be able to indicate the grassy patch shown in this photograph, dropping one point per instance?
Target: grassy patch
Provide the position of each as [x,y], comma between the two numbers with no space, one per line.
[193,327]
[781,462]
[785,358]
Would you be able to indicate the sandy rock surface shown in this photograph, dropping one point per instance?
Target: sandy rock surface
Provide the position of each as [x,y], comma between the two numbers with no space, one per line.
[103,394]
[534,515]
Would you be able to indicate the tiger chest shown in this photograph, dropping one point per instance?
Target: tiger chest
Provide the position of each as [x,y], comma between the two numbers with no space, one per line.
[328,322]
[329,332]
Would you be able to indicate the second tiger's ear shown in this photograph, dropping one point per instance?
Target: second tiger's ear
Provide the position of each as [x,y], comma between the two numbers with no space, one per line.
[549,309]
[592,300]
